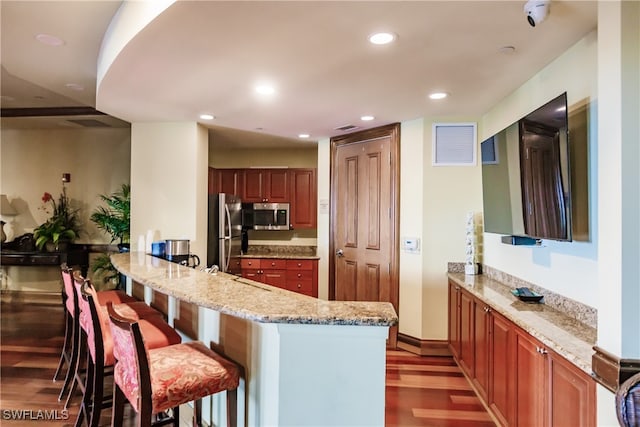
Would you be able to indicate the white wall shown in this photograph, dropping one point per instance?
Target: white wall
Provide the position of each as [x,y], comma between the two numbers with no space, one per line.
[169,183]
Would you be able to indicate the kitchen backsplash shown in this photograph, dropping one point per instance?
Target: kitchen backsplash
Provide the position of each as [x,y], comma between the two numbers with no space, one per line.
[579,311]
[281,250]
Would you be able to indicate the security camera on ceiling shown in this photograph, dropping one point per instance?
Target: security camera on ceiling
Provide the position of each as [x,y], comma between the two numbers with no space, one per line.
[536,11]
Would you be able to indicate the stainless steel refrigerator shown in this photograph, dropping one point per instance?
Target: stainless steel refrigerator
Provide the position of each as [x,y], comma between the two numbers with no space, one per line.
[225,229]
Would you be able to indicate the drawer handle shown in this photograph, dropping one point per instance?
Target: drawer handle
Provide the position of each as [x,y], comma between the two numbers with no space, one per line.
[299,264]
[299,286]
[299,275]
[273,264]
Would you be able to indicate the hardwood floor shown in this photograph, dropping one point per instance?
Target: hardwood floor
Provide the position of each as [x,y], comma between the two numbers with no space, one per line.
[421,391]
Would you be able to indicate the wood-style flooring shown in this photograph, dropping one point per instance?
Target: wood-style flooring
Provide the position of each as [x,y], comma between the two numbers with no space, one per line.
[421,391]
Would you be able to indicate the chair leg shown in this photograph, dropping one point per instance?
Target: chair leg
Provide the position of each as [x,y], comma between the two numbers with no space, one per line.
[232,407]
[86,409]
[75,376]
[76,339]
[197,413]
[66,346]
[97,394]
[176,416]
[117,411]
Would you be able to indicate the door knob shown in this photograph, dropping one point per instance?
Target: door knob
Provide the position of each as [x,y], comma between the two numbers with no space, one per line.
[340,252]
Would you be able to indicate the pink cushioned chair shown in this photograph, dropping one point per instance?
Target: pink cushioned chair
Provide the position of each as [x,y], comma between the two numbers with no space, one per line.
[156,380]
[100,356]
[70,351]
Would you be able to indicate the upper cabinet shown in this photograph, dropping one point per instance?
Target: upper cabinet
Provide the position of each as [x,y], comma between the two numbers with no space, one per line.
[266,185]
[298,187]
[303,198]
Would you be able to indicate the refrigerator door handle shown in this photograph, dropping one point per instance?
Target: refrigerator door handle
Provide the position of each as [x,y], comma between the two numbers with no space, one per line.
[227,239]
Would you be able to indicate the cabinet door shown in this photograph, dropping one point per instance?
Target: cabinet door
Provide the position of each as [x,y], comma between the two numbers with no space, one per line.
[275,278]
[303,198]
[277,186]
[501,369]
[254,185]
[572,394]
[252,273]
[481,342]
[530,387]
[454,319]
[466,333]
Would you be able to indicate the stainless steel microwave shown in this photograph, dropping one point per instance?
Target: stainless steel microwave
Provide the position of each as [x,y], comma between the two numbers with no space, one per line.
[265,216]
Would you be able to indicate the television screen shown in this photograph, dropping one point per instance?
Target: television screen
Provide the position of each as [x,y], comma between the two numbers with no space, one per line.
[526,177]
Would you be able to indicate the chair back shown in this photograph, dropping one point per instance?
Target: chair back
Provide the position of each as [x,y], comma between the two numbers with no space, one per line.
[628,402]
[91,321]
[131,371]
[70,300]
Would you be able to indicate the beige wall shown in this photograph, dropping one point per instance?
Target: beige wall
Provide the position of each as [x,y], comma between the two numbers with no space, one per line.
[33,161]
[569,268]
[266,157]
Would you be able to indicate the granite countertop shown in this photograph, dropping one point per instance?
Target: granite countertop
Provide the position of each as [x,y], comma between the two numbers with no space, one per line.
[247,299]
[565,335]
[281,251]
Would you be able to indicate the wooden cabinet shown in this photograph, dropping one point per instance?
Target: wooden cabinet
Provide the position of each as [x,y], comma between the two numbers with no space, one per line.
[521,381]
[501,369]
[298,187]
[296,275]
[466,333]
[230,181]
[454,319]
[303,209]
[302,276]
[266,185]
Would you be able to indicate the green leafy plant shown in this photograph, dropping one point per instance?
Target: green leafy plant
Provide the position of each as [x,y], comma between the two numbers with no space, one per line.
[115,218]
[64,224]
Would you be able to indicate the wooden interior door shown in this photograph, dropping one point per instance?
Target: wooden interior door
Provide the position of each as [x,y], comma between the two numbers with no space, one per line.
[364,218]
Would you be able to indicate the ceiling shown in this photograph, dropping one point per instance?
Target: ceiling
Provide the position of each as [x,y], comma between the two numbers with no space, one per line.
[206,56]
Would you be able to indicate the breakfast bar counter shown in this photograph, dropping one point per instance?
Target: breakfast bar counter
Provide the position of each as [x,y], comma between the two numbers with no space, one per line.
[307,361]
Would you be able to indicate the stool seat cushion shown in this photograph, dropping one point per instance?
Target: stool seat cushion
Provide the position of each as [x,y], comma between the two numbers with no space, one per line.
[179,374]
[114,296]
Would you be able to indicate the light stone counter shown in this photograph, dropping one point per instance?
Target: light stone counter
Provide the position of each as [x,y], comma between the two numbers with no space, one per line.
[307,362]
[565,335]
[248,299]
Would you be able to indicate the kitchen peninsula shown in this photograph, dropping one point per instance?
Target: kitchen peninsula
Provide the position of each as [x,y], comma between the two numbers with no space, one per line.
[307,361]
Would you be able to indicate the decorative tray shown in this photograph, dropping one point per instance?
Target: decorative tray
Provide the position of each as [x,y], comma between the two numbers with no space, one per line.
[528,298]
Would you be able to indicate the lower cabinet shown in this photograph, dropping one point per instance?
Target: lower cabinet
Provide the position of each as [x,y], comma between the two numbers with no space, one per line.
[297,275]
[521,381]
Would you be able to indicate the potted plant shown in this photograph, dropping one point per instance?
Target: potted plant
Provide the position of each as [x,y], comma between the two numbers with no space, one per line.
[115,219]
[63,226]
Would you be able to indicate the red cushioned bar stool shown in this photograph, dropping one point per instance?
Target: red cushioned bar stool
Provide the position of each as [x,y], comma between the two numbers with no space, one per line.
[70,351]
[162,379]
[100,356]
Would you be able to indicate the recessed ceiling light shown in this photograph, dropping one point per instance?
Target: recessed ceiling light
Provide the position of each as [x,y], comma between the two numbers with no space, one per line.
[265,89]
[75,86]
[367,118]
[438,95]
[206,116]
[49,40]
[382,38]
[304,135]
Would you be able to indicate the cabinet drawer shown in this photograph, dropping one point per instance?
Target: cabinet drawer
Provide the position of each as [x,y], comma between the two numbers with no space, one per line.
[293,275]
[250,263]
[301,286]
[300,264]
[272,263]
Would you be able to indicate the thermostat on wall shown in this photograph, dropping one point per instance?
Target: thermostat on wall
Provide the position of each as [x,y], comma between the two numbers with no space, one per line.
[411,245]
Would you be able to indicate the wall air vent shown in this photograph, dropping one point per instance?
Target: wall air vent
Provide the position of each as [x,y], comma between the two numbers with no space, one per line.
[346,128]
[89,123]
[454,144]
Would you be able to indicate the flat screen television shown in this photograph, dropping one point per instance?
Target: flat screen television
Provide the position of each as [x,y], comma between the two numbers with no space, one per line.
[526,181]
